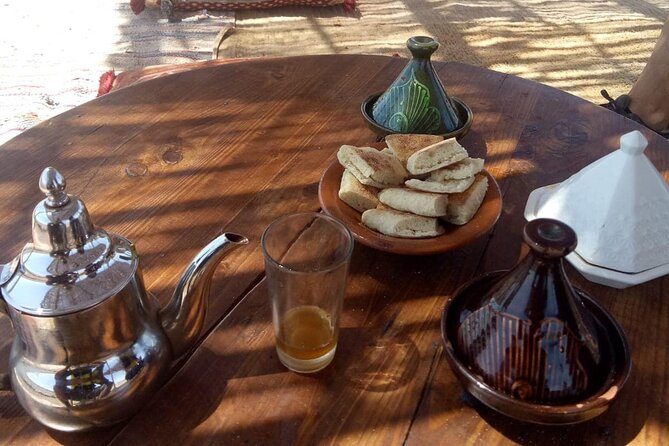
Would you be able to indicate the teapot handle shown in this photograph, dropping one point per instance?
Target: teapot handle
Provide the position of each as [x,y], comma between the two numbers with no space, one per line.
[5,383]
[6,272]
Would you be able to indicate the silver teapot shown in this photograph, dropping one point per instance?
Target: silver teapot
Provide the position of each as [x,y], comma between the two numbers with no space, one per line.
[91,345]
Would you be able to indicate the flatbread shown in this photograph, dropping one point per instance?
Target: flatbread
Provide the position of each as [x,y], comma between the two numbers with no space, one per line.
[371,167]
[416,202]
[463,206]
[436,156]
[401,224]
[440,187]
[405,145]
[356,194]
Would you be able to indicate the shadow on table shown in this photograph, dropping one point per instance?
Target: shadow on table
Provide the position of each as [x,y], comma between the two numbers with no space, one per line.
[601,429]
[475,144]
[386,363]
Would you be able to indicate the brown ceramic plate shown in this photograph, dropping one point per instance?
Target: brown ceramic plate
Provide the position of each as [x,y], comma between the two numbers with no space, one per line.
[454,237]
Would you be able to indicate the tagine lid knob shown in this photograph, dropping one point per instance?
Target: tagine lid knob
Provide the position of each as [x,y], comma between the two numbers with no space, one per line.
[549,238]
[422,46]
[633,143]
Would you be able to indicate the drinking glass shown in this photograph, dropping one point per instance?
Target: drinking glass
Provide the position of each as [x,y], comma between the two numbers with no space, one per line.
[306,265]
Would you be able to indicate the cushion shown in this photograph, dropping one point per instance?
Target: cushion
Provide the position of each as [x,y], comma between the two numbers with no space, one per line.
[171,6]
[110,81]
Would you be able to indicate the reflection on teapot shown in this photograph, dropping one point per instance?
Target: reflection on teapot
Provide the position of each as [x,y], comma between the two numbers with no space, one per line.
[91,345]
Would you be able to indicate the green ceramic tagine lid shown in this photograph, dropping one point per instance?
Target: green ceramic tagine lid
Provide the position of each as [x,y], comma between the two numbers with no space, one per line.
[416,102]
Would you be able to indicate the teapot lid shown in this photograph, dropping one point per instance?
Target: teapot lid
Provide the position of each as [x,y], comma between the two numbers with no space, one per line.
[70,265]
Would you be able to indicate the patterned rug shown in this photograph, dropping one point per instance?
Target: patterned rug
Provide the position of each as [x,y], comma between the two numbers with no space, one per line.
[52,56]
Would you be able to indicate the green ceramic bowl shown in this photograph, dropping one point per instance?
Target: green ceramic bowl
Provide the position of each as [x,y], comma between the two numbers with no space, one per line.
[464,112]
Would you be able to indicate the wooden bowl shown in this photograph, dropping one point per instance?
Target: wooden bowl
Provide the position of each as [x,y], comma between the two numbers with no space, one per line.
[613,345]
[455,236]
[465,113]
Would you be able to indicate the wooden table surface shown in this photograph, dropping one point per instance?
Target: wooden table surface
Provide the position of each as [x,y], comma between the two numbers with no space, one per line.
[172,162]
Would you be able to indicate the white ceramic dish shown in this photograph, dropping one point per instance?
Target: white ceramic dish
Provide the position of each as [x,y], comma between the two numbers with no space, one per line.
[612,278]
[594,273]
[618,206]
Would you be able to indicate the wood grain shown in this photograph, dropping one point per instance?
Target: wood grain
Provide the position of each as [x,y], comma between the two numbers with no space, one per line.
[174,161]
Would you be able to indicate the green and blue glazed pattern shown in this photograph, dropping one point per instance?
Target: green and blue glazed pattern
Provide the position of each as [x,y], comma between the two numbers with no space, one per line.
[416,102]
[408,108]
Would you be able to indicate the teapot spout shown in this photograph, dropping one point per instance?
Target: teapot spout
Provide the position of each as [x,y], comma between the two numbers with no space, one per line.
[183,317]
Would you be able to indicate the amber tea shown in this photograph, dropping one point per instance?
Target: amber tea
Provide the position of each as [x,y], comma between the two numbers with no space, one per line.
[305,333]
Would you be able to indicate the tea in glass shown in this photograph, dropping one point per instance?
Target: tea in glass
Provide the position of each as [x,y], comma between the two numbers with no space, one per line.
[306,263]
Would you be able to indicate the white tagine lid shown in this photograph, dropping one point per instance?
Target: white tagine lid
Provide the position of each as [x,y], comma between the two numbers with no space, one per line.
[619,208]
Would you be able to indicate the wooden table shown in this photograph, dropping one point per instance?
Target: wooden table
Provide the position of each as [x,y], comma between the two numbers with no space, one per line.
[172,162]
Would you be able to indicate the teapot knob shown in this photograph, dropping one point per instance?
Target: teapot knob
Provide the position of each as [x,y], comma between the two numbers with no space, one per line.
[52,183]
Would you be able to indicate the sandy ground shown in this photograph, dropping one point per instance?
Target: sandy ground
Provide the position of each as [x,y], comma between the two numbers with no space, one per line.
[577,46]
[51,56]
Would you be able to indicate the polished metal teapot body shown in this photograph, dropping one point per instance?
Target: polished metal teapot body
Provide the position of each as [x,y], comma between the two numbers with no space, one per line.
[91,344]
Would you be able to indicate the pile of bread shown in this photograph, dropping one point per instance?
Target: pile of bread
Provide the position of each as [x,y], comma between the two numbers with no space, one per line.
[407,188]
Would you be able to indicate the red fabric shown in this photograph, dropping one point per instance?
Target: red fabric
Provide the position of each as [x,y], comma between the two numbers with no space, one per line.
[106,82]
[137,6]
[262,4]
[131,77]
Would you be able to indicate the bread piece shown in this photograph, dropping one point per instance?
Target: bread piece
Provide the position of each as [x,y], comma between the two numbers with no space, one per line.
[463,206]
[372,167]
[436,156]
[416,202]
[405,145]
[356,194]
[420,176]
[468,167]
[440,187]
[401,224]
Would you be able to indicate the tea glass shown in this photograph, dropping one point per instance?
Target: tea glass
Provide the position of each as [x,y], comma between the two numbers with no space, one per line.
[306,264]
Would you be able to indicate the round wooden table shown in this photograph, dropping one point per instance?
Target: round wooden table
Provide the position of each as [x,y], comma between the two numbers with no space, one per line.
[172,162]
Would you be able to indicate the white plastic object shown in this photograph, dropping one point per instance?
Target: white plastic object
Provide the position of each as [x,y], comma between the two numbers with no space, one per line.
[619,208]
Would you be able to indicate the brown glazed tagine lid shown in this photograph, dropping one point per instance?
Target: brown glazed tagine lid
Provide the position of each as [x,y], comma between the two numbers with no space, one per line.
[528,344]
